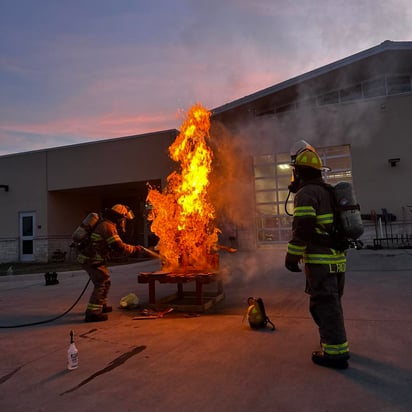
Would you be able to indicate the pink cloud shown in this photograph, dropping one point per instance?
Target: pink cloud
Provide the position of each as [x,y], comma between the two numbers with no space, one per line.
[109,124]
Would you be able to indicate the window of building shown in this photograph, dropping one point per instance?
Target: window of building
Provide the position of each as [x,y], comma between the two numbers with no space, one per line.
[286,108]
[398,84]
[306,103]
[351,93]
[374,88]
[328,98]
[380,86]
[272,177]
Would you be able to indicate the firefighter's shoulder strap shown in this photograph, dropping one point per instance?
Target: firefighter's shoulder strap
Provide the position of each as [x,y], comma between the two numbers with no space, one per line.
[331,190]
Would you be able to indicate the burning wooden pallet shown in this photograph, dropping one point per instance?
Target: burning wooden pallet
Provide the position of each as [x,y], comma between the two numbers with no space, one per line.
[191,301]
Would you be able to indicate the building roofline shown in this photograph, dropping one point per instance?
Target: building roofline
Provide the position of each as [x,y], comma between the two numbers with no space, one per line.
[90,142]
[387,45]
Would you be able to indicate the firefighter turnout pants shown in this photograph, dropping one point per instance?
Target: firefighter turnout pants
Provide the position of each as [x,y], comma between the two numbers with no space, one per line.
[100,277]
[325,288]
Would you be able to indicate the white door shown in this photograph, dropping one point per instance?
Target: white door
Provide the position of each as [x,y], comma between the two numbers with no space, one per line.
[27,223]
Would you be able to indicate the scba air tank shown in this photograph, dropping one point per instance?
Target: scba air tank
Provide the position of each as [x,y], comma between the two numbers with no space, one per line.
[85,227]
[348,211]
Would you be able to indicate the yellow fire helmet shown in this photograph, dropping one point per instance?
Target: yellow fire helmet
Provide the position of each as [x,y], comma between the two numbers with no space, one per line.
[308,158]
[124,211]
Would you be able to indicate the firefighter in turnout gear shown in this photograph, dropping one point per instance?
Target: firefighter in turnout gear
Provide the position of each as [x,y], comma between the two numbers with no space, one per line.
[324,264]
[104,242]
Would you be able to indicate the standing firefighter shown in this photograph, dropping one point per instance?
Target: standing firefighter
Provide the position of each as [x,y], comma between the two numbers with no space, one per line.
[104,241]
[325,264]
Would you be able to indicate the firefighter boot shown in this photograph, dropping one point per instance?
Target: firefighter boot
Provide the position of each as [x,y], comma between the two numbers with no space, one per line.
[330,361]
[95,317]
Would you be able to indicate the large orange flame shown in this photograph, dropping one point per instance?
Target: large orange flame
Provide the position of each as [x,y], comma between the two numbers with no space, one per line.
[182,216]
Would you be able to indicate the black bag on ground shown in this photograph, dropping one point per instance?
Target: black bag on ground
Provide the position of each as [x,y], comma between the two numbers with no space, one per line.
[256,314]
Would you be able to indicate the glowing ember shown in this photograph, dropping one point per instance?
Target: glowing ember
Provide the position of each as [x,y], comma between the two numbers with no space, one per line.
[182,216]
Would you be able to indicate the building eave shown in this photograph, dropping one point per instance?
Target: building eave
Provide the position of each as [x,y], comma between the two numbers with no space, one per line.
[385,46]
[159,133]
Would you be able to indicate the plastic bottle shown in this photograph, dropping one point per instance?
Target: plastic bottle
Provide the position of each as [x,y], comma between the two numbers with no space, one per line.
[72,354]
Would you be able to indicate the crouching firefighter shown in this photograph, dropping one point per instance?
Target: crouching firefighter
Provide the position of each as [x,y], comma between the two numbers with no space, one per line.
[104,241]
[324,261]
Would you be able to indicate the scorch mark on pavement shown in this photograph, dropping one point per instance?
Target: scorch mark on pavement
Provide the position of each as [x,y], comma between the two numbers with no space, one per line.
[112,365]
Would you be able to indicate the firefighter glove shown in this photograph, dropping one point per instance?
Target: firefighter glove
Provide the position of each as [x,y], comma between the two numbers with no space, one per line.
[292,262]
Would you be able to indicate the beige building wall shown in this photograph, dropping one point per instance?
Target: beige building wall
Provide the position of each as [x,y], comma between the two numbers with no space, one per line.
[26,178]
[378,184]
[376,129]
[109,162]
[61,185]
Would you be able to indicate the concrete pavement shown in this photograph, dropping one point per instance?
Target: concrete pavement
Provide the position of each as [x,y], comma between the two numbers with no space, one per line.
[211,362]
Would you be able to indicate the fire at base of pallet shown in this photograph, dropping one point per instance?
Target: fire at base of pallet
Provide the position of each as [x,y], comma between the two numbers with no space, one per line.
[211,264]
[210,258]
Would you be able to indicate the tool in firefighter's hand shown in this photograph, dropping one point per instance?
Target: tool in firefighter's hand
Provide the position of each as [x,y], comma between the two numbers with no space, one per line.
[227,248]
[150,252]
[150,314]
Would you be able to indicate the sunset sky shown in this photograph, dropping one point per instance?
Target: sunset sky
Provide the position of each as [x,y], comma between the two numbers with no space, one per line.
[73,71]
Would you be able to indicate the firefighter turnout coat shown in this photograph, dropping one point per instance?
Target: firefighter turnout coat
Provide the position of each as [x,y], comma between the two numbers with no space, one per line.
[104,242]
[312,228]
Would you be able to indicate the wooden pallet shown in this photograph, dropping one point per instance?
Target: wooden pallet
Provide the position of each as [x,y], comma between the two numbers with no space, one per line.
[190,301]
